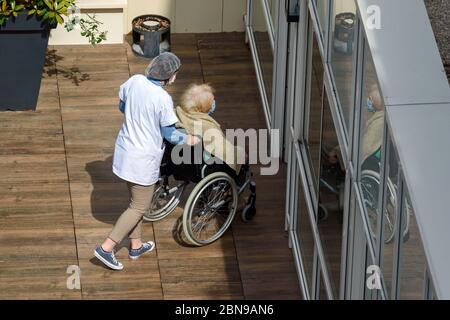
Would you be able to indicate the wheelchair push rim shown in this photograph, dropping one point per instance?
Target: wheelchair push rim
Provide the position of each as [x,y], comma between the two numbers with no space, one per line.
[210,209]
[370,181]
[165,199]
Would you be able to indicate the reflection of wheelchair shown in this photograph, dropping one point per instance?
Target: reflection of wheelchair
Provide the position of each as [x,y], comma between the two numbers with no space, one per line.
[212,204]
[333,179]
[370,185]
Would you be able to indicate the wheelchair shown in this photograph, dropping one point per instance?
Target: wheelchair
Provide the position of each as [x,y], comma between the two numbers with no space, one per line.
[213,202]
[370,185]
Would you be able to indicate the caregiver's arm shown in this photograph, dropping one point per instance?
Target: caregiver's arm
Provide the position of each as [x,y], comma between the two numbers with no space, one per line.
[175,136]
[122,106]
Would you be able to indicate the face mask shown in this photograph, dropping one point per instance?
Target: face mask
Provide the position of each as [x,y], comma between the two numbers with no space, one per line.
[156,82]
[370,106]
[213,108]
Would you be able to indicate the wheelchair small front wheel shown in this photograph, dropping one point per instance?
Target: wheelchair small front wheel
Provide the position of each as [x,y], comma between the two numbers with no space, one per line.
[210,209]
[166,198]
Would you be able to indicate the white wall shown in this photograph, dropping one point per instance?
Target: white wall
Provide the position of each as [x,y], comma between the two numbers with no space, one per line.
[344,6]
[192,15]
[186,15]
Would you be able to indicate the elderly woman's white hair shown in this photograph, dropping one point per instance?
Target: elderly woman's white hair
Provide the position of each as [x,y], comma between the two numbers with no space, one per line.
[374,94]
[197,98]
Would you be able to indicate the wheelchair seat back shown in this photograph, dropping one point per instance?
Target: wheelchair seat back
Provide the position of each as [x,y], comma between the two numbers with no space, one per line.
[195,165]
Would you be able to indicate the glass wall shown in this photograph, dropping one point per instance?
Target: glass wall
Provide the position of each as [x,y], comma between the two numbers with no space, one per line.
[314,103]
[330,211]
[389,218]
[261,32]
[305,238]
[350,216]
[412,263]
[342,55]
[322,7]
[371,132]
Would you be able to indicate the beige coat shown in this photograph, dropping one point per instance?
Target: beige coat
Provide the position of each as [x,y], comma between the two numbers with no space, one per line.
[373,134]
[214,140]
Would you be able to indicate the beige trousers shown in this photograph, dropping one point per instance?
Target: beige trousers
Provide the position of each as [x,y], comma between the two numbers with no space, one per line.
[130,222]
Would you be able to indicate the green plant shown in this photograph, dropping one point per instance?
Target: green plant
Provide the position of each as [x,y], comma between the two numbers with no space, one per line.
[89,28]
[53,12]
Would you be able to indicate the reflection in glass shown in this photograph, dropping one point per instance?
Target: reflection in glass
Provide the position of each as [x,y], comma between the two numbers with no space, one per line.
[413,262]
[431,291]
[273,11]
[390,203]
[315,108]
[371,130]
[263,47]
[331,198]
[322,290]
[305,237]
[322,11]
[372,278]
[342,54]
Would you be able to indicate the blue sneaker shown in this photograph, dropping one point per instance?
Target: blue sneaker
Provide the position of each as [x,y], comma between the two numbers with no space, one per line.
[108,258]
[146,247]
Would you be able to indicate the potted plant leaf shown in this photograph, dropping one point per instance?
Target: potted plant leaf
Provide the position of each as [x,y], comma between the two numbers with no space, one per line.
[24,31]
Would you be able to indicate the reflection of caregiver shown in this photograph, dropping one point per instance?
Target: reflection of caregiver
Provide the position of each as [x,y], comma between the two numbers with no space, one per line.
[149,114]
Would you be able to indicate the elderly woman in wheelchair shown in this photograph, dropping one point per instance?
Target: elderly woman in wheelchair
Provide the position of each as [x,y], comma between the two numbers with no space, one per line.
[218,168]
[370,178]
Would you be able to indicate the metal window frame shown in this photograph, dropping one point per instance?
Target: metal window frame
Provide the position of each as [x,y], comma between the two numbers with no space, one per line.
[348,132]
[301,271]
[323,43]
[267,15]
[310,203]
[295,110]
[356,148]
[399,243]
[254,51]
[396,274]
[385,174]
[280,107]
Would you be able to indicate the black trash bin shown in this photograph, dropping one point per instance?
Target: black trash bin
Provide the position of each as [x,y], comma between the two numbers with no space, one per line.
[344,32]
[151,35]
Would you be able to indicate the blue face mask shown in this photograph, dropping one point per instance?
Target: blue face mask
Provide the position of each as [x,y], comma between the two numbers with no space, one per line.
[213,108]
[370,106]
[156,82]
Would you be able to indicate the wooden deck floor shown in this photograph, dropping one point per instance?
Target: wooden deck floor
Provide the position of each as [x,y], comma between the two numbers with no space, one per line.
[59,198]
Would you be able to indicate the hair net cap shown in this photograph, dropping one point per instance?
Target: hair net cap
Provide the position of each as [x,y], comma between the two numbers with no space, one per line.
[163,67]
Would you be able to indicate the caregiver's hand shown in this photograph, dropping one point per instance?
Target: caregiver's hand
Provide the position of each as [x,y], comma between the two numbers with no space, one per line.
[192,140]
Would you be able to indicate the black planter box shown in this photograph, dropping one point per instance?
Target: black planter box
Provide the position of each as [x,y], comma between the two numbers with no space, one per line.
[23,43]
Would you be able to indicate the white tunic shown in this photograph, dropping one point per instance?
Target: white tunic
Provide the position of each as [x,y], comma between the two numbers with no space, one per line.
[139,146]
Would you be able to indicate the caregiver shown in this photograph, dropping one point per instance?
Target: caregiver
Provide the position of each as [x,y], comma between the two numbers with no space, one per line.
[149,115]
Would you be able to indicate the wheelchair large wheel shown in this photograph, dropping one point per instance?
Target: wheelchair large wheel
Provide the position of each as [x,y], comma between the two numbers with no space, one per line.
[210,209]
[166,198]
[370,184]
